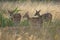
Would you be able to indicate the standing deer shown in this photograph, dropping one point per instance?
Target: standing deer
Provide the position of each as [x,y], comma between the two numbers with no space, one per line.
[16,18]
[33,20]
[46,17]
[36,22]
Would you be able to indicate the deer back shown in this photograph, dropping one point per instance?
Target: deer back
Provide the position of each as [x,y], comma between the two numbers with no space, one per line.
[46,17]
[33,20]
[17,17]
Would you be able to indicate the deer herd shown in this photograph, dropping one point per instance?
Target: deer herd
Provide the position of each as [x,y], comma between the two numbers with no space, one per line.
[16,18]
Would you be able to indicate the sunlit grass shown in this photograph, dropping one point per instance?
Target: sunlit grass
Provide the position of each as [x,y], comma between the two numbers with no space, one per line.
[48,28]
[51,28]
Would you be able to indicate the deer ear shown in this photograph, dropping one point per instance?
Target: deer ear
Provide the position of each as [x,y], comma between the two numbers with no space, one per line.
[9,11]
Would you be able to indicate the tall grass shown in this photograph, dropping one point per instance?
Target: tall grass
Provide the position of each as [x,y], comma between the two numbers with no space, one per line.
[24,23]
[5,21]
[53,28]
[49,30]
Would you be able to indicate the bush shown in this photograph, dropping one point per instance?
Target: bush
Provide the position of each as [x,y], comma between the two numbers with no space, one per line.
[4,21]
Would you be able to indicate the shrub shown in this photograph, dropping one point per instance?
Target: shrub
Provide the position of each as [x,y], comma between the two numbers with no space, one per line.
[5,21]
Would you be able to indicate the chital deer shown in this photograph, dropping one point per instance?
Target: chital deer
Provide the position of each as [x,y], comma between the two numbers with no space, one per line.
[33,20]
[16,18]
[47,17]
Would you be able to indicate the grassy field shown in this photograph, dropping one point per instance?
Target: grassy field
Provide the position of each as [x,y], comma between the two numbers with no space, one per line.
[51,7]
[24,31]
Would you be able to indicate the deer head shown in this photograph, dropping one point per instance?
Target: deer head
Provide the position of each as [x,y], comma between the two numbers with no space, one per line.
[10,12]
[26,15]
[37,12]
[14,11]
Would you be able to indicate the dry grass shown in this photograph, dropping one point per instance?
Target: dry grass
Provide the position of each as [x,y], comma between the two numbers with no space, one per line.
[47,32]
[53,8]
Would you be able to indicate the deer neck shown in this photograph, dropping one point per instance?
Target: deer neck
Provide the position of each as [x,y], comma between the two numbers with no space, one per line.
[39,15]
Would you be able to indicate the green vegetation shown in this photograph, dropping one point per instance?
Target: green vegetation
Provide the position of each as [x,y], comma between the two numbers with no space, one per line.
[5,21]
[24,23]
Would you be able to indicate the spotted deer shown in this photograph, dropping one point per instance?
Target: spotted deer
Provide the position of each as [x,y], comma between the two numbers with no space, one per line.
[16,18]
[47,17]
[36,23]
[33,20]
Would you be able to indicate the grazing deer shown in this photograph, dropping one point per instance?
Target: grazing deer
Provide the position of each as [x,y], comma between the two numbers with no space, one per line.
[34,20]
[16,18]
[46,17]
